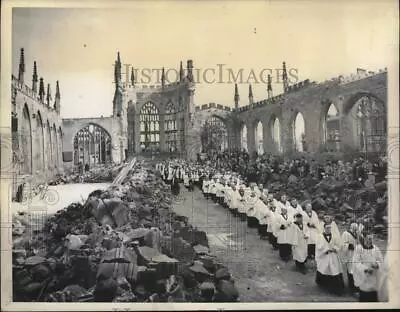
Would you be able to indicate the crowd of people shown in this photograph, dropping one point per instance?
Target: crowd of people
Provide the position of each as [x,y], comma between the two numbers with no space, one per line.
[264,168]
[295,232]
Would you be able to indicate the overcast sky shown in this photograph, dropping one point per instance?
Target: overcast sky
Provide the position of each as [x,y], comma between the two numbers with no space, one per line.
[318,40]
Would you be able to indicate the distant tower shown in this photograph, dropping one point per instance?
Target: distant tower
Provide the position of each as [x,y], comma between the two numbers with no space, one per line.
[34,78]
[21,69]
[57,100]
[132,78]
[269,86]
[236,98]
[250,95]
[117,70]
[163,77]
[48,95]
[181,73]
[285,78]
[41,90]
[190,70]
[117,101]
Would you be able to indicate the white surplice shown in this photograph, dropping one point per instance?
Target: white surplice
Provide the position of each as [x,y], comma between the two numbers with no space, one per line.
[362,260]
[300,242]
[328,263]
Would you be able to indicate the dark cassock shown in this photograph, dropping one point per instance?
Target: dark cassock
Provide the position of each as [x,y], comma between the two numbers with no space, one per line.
[329,268]
[284,225]
[175,189]
[301,235]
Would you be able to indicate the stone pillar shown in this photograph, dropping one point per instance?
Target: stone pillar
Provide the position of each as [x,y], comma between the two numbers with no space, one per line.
[138,149]
[162,132]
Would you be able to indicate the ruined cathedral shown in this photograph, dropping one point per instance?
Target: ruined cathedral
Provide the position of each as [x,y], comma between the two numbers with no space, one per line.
[345,114]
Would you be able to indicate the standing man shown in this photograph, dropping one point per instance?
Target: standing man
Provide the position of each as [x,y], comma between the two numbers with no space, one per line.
[349,243]
[300,243]
[284,224]
[329,268]
[310,218]
[367,261]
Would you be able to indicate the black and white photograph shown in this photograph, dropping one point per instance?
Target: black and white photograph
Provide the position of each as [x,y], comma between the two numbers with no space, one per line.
[221,153]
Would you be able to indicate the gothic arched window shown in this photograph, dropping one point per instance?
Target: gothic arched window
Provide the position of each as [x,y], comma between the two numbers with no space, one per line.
[170,128]
[149,127]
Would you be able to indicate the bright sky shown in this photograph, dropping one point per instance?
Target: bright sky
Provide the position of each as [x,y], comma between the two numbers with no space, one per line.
[321,40]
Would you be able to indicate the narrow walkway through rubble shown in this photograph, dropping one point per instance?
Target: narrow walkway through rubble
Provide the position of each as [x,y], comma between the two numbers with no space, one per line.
[259,274]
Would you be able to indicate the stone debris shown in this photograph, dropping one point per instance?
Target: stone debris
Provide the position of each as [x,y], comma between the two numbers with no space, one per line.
[125,244]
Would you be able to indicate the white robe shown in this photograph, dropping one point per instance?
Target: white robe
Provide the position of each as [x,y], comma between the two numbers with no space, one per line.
[261,212]
[328,264]
[362,260]
[347,255]
[271,221]
[242,204]
[284,236]
[313,220]
[234,200]
[205,186]
[185,179]
[296,210]
[250,205]
[300,242]
[212,189]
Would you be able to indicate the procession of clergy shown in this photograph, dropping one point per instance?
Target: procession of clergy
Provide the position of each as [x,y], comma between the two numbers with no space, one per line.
[295,232]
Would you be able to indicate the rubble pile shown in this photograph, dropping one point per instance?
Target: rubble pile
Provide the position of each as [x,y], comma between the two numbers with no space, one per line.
[124,244]
[346,201]
[98,174]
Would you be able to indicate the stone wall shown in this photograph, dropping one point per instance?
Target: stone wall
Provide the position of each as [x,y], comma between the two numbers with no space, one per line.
[37,134]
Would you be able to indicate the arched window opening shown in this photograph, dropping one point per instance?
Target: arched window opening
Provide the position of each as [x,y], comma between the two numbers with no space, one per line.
[40,164]
[243,138]
[276,134]
[170,128]
[149,128]
[214,135]
[49,144]
[331,129]
[371,124]
[259,138]
[26,142]
[92,146]
[299,132]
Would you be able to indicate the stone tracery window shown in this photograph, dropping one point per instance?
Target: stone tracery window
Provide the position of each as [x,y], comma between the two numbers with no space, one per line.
[371,124]
[92,145]
[149,127]
[170,128]
[332,129]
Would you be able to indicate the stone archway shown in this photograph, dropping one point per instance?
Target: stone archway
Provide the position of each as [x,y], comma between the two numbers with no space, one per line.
[92,145]
[331,128]
[369,119]
[214,135]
